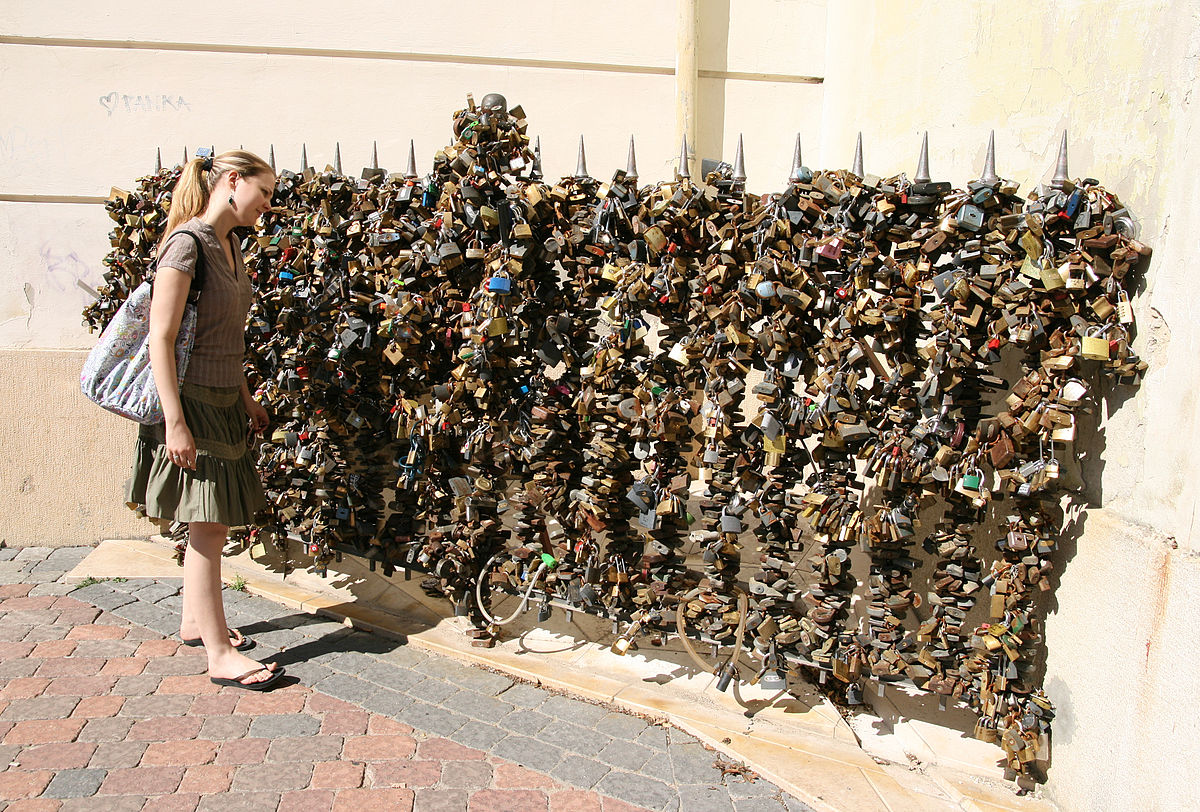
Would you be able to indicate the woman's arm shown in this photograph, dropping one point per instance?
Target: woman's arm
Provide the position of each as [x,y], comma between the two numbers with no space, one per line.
[254,409]
[171,287]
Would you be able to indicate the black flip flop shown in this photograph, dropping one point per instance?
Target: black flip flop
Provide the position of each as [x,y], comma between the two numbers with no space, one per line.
[245,645]
[263,685]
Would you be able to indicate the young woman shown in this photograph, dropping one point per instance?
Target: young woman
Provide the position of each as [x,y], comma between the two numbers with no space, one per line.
[196,467]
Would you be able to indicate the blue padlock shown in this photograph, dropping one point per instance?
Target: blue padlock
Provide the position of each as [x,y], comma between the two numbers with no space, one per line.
[499,284]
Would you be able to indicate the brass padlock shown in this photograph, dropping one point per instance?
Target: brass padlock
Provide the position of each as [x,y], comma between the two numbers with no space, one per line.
[1094,346]
[1124,308]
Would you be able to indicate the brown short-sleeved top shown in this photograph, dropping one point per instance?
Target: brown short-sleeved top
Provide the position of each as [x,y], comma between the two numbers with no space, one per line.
[220,346]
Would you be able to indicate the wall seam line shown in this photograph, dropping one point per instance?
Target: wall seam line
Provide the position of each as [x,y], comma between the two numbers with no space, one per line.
[399,56]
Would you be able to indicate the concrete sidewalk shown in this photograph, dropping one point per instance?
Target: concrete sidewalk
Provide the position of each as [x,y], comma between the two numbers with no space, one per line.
[101,709]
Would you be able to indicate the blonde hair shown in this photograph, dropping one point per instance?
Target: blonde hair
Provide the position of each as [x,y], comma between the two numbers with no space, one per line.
[195,185]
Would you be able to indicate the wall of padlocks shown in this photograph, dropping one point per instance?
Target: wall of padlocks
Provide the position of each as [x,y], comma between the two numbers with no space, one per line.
[513,386]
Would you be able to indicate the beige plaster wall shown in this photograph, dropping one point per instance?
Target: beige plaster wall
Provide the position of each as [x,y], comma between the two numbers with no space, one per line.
[1120,76]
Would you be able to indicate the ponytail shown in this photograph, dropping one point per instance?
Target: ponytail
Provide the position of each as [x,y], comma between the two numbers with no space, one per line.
[199,177]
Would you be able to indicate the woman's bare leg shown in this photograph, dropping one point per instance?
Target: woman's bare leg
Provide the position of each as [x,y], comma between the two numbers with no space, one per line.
[202,602]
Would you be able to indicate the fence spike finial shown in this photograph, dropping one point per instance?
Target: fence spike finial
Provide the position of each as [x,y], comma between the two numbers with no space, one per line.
[337,157]
[410,171]
[271,158]
[797,172]
[374,154]
[856,166]
[683,171]
[581,162]
[989,175]
[739,163]
[304,157]
[631,170]
[185,155]
[158,161]
[536,172]
[922,175]
[1061,178]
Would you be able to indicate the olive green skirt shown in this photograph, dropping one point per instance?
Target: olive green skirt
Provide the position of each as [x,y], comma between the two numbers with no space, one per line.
[224,488]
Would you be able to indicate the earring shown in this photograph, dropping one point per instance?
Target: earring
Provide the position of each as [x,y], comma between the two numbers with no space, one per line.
[230,199]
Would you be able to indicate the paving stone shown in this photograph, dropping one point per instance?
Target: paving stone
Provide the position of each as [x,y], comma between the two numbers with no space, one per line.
[145,707]
[108,803]
[49,568]
[795,805]
[39,633]
[404,656]
[70,555]
[636,789]
[476,705]
[620,726]
[442,668]
[284,724]
[12,572]
[351,662]
[51,589]
[39,707]
[320,627]
[109,599]
[105,648]
[308,673]
[738,788]
[479,735]
[440,800]
[142,613]
[527,752]
[573,710]
[704,796]
[15,669]
[74,783]
[131,585]
[137,685]
[8,553]
[659,765]
[370,642]
[308,749]
[654,737]
[527,696]
[387,702]
[278,638]
[239,802]
[524,722]
[41,575]
[580,772]
[390,676]
[431,718]
[172,603]
[432,690]
[222,728]
[695,762]
[33,553]
[624,754]
[573,738]
[345,687]
[108,729]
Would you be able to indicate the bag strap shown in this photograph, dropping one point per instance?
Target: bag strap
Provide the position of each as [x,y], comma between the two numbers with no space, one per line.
[198,271]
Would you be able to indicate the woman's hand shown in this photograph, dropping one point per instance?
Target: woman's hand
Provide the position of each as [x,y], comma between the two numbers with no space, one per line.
[181,446]
[257,414]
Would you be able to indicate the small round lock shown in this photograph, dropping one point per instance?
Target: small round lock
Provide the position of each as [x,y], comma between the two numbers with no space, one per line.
[765,289]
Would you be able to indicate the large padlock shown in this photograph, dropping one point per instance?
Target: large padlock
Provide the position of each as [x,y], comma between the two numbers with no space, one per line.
[499,284]
[1094,346]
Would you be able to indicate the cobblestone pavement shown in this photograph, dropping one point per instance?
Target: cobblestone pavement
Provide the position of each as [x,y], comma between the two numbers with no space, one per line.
[100,709]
